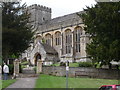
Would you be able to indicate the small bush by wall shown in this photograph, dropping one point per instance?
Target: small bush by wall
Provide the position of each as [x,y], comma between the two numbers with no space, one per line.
[35,69]
[62,64]
[11,69]
[20,68]
[85,64]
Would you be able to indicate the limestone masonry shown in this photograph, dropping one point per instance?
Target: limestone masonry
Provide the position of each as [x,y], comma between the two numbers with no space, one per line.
[58,39]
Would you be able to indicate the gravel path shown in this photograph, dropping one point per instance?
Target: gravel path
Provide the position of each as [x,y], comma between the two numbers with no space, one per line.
[23,84]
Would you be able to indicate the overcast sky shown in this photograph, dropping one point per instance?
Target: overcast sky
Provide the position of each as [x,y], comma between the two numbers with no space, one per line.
[62,7]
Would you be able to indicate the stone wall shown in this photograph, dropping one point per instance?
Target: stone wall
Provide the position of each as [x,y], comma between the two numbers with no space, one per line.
[82,72]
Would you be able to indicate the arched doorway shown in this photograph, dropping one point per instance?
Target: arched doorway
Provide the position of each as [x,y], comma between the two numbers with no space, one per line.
[37,57]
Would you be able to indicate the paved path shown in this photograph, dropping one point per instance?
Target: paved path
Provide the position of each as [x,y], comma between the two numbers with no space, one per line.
[23,84]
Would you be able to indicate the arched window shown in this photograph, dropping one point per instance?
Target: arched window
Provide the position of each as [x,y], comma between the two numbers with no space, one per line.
[68,41]
[38,39]
[57,38]
[77,34]
[48,39]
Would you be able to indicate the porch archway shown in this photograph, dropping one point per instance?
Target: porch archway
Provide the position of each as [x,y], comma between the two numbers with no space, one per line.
[37,57]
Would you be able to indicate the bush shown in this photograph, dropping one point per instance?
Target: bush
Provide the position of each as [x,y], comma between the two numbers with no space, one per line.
[35,69]
[20,68]
[74,64]
[85,64]
[11,69]
[97,65]
[62,64]
[25,63]
[52,65]
[55,64]
[23,66]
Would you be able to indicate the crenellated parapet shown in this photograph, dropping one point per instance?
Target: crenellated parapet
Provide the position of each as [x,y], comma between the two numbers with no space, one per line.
[39,7]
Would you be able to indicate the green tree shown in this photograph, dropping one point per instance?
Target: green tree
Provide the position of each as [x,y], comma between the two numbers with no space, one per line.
[102,22]
[16,30]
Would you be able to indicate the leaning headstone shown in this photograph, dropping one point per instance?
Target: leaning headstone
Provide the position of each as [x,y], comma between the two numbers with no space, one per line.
[16,68]
[39,66]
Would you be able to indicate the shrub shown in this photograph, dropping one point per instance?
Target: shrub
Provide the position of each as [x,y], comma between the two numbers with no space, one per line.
[23,66]
[52,65]
[25,63]
[97,65]
[20,68]
[55,64]
[62,64]
[85,64]
[11,69]
[35,69]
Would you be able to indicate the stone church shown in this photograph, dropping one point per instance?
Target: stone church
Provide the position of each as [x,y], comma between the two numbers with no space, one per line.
[58,39]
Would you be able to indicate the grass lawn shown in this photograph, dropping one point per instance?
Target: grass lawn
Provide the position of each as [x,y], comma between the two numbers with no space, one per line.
[47,81]
[73,64]
[6,83]
[70,64]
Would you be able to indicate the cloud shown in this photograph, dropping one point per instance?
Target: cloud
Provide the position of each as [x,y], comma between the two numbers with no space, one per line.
[62,7]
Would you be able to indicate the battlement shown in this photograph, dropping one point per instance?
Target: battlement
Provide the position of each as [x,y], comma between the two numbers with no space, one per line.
[39,7]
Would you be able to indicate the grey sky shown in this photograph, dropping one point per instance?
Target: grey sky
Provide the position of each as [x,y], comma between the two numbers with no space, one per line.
[62,7]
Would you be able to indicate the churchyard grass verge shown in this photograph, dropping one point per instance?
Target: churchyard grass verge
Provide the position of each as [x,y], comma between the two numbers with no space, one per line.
[118,81]
[70,64]
[74,64]
[0,84]
[6,83]
[47,81]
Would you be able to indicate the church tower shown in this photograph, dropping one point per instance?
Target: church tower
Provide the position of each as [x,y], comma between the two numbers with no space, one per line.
[39,14]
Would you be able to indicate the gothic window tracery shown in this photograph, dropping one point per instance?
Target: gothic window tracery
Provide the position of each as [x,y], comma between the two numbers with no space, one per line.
[57,38]
[38,38]
[48,39]
[68,41]
[77,34]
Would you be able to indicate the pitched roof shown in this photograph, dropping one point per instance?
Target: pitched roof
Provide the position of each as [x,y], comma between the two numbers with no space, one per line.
[49,49]
[60,22]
